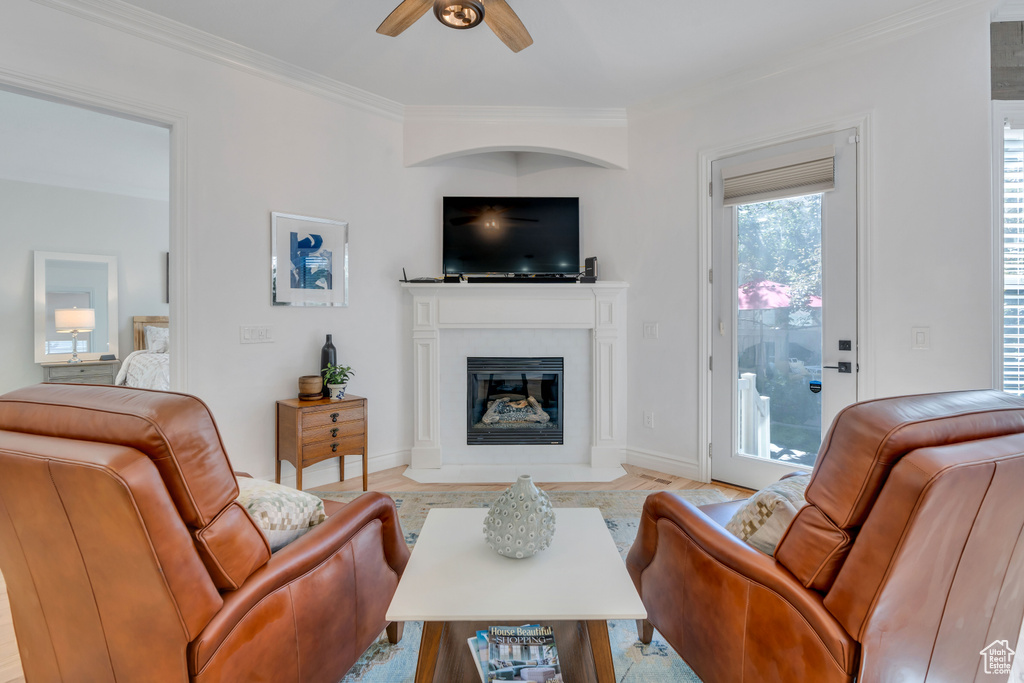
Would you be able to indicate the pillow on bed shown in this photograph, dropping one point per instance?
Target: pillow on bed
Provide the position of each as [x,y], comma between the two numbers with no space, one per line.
[765,516]
[157,338]
[283,513]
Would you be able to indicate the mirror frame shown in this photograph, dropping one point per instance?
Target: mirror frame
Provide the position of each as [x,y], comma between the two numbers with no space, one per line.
[41,257]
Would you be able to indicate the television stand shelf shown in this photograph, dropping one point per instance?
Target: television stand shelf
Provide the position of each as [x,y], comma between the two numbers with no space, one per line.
[517,285]
[537,278]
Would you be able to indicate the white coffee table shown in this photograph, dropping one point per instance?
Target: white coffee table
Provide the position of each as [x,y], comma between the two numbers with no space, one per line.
[455,584]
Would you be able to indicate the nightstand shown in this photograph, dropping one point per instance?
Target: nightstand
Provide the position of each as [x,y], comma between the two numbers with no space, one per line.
[311,431]
[86,372]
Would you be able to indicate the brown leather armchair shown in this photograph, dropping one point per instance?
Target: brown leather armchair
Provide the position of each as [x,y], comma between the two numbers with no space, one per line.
[127,557]
[905,563]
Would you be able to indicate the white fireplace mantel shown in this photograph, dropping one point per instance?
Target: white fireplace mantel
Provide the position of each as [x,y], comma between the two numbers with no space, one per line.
[600,307]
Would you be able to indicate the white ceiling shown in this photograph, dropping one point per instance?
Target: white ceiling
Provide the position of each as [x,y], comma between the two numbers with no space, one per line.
[586,53]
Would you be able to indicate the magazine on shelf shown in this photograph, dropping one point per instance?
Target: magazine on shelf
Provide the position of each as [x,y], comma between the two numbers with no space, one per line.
[479,656]
[520,653]
[479,648]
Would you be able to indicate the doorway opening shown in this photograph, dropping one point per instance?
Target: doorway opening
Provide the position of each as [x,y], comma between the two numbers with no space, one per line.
[94,178]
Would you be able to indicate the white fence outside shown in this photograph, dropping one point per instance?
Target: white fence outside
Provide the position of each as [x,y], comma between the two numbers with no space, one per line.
[755,436]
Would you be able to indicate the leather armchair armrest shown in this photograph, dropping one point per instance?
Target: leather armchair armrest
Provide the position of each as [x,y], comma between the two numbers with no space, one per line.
[703,530]
[298,558]
[735,555]
[312,548]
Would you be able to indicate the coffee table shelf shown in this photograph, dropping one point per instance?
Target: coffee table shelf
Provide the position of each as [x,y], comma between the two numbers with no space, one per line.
[456,584]
[445,655]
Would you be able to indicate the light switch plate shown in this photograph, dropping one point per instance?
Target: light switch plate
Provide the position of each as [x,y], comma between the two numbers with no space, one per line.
[259,334]
[650,330]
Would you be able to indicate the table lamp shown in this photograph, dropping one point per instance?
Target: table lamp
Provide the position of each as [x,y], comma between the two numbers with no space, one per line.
[74,320]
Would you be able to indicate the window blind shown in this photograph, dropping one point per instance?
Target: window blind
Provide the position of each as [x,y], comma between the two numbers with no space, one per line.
[788,175]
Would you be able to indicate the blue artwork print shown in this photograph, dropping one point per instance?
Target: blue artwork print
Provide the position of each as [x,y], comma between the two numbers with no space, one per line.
[311,263]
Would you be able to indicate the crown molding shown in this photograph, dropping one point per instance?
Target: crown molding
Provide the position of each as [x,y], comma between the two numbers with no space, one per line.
[892,28]
[145,24]
[574,116]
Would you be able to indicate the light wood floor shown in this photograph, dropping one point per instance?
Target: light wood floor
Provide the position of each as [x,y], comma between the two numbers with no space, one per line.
[10,663]
[636,479]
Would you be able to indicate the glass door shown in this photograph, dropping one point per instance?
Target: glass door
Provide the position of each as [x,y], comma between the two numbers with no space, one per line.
[784,289]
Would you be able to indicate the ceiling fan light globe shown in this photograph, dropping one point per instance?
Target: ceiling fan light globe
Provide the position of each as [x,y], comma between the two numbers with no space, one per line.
[461,15]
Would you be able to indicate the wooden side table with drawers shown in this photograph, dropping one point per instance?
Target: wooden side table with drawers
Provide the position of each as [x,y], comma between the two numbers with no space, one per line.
[311,431]
[86,372]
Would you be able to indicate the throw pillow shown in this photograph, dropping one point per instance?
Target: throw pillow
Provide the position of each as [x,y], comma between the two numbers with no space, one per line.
[157,338]
[283,513]
[765,516]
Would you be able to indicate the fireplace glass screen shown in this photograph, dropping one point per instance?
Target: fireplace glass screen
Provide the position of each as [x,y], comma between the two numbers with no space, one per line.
[514,401]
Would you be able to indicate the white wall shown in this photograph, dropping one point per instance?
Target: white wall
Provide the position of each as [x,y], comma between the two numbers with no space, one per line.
[257,146]
[37,217]
[930,259]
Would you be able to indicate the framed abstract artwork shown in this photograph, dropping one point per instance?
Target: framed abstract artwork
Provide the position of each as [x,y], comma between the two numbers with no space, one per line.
[308,261]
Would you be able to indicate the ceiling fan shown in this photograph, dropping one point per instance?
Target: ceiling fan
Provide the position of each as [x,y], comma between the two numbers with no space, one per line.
[462,14]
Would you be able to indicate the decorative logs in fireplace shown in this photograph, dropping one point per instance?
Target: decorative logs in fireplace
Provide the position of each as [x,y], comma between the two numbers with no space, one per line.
[514,401]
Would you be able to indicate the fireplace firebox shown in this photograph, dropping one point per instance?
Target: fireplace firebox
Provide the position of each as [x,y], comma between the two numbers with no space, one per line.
[514,401]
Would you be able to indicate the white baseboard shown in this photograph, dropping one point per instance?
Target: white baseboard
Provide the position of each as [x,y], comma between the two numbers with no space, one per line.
[663,462]
[328,471]
[507,474]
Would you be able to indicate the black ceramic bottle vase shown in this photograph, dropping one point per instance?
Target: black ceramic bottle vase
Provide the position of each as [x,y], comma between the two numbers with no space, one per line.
[328,356]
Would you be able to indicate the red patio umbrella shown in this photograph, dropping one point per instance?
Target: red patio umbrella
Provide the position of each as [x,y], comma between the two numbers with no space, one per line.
[765,294]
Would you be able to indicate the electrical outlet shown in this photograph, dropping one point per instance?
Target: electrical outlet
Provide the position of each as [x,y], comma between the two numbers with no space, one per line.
[650,330]
[261,334]
[920,338]
[649,419]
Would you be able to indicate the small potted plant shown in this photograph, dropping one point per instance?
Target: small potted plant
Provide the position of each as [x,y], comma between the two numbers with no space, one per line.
[336,379]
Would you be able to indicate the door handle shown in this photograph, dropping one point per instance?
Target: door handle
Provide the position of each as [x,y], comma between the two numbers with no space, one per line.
[842,367]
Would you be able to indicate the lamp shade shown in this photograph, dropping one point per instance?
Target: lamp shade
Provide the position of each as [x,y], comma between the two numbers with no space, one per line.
[68,319]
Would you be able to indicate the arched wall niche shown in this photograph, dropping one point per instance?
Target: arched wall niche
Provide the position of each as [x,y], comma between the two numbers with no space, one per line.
[521,156]
[432,137]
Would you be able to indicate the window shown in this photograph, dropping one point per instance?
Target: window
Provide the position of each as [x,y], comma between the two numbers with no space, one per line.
[1013,260]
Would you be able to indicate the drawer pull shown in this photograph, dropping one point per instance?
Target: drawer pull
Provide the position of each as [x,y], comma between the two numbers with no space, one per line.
[334,448]
[334,417]
[334,432]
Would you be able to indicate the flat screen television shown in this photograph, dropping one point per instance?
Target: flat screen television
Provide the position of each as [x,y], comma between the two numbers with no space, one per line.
[511,235]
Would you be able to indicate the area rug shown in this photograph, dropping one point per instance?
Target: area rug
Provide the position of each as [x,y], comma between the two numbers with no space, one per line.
[634,661]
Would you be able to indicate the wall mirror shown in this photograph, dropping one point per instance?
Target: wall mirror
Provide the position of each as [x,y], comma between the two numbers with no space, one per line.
[83,281]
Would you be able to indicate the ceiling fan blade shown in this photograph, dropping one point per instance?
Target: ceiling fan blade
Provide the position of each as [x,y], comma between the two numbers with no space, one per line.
[506,25]
[404,16]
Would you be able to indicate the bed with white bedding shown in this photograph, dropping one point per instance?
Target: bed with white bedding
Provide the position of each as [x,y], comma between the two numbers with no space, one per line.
[148,367]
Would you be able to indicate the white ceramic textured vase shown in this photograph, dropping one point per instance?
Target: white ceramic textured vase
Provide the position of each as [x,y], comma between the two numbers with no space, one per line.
[521,523]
